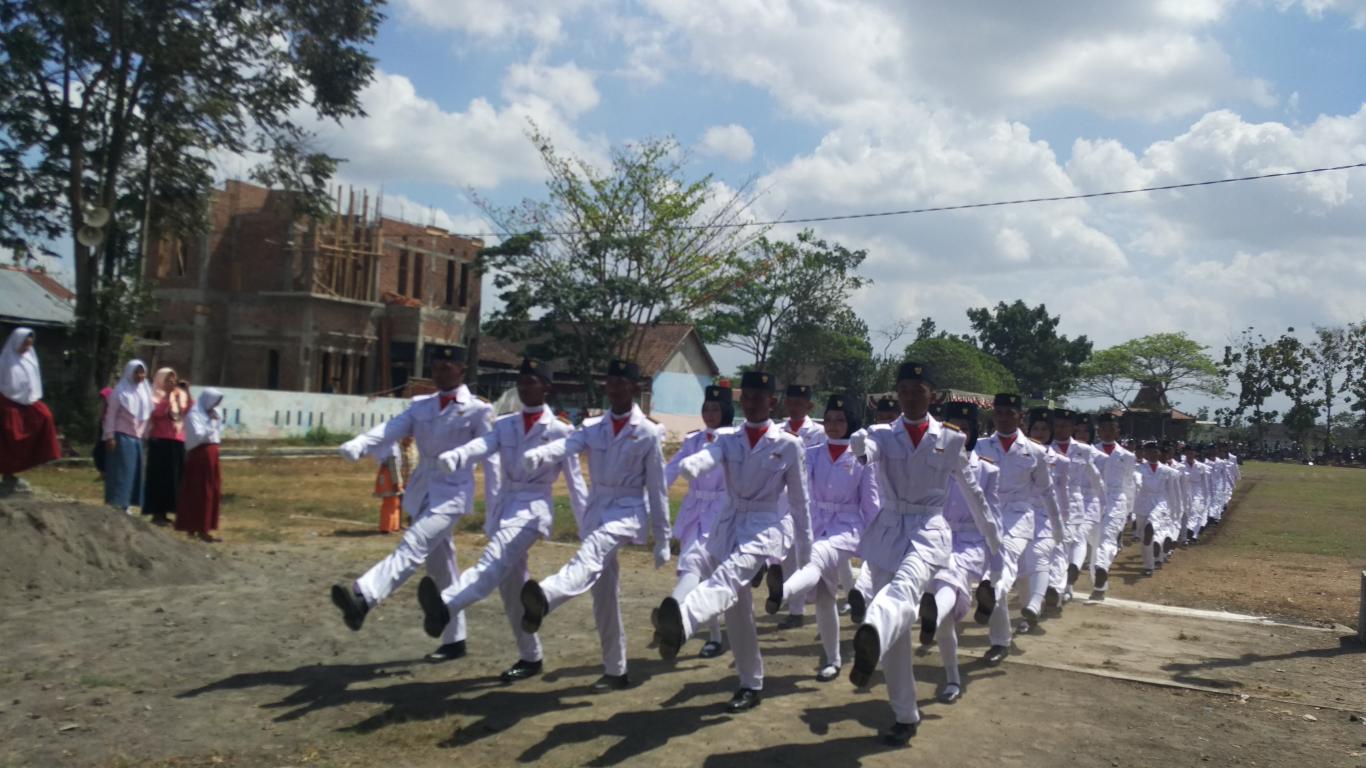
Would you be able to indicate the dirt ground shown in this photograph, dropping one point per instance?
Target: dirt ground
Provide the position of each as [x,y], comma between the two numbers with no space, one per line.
[255,668]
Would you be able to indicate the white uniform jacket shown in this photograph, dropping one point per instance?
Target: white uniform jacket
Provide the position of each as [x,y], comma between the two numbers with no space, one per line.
[913,487]
[844,496]
[627,472]
[706,494]
[757,478]
[435,431]
[1025,480]
[526,498]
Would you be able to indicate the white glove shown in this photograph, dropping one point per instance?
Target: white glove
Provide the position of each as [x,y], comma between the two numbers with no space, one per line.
[352,450]
[858,444]
[690,467]
[662,553]
[531,461]
[453,461]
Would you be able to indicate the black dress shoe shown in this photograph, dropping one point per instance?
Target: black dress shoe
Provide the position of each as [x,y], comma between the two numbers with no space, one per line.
[858,607]
[612,683]
[448,652]
[435,614]
[929,618]
[1051,598]
[986,602]
[1031,619]
[351,604]
[1102,578]
[758,577]
[534,607]
[774,577]
[1073,573]
[710,650]
[1147,571]
[744,700]
[793,621]
[670,632]
[867,650]
[521,670]
[996,654]
[900,734]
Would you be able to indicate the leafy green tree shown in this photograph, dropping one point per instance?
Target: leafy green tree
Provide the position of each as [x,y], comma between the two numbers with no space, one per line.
[1335,364]
[1249,361]
[609,253]
[1299,421]
[835,355]
[960,365]
[121,104]
[1167,362]
[1026,341]
[788,286]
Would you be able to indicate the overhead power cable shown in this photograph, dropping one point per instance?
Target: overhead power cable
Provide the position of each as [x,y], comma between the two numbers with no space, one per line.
[969,206]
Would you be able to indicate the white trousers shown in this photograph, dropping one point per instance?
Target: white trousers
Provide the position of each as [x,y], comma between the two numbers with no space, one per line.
[822,575]
[1112,524]
[427,540]
[796,606]
[692,568]
[893,611]
[726,591]
[501,566]
[594,568]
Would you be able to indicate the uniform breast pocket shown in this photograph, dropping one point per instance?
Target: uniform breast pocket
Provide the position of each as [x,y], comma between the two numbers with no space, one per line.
[776,463]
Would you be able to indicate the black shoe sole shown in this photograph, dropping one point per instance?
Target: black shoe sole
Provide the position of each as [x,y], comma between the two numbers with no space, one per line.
[900,739]
[1052,598]
[758,577]
[867,649]
[1031,618]
[343,598]
[774,578]
[534,607]
[929,618]
[986,602]
[670,629]
[1073,573]
[435,614]
[992,660]
[858,607]
[509,676]
[711,651]
[736,709]
[1102,578]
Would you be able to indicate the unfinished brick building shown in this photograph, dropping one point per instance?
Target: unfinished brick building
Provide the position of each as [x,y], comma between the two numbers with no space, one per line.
[265,300]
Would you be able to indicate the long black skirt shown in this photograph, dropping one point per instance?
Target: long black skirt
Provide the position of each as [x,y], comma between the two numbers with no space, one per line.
[165,467]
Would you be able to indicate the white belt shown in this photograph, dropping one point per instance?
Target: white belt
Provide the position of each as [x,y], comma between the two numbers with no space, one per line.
[834,507]
[915,510]
[619,492]
[1016,506]
[540,488]
[961,527]
[707,495]
[749,506]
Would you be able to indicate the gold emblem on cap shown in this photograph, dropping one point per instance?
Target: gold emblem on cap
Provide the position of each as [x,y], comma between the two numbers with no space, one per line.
[763,379]
[918,370]
[531,363]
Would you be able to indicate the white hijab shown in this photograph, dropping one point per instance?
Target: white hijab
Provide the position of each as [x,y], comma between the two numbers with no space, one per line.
[134,397]
[20,380]
[203,425]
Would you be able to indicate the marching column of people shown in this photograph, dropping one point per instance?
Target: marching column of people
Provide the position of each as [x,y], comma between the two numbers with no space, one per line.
[946,522]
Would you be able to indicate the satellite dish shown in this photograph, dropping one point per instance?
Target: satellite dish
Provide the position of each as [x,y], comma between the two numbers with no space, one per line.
[96,216]
[89,236]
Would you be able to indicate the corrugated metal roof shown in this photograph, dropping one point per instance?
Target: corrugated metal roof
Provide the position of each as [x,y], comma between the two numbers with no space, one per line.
[23,299]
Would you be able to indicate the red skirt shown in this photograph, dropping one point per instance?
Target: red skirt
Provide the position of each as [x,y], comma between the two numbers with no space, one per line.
[201,490]
[28,436]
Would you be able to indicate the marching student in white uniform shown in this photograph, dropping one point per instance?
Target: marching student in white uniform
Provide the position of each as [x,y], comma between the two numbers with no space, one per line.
[1025,480]
[1157,504]
[1041,589]
[1196,476]
[917,457]
[626,467]
[1218,483]
[762,463]
[1085,488]
[1116,465]
[1175,530]
[434,499]
[950,593]
[797,404]
[843,493]
[522,514]
[704,503]
[885,411]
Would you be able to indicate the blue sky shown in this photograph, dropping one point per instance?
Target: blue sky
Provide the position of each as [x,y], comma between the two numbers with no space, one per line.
[866,105]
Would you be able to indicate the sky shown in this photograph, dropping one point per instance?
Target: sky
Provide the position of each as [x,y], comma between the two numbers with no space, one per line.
[844,106]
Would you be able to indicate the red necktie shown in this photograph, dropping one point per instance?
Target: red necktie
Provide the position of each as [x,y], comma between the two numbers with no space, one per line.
[754,433]
[446,400]
[529,420]
[836,451]
[1006,442]
[1153,464]
[795,427]
[710,437]
[1062,448]
[1109,448]
[917,431]
[617,424]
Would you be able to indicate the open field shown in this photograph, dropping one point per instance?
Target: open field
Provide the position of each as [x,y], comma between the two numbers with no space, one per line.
[1294,546]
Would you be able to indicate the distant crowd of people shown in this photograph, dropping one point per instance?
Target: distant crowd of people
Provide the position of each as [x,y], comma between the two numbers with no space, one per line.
[158,446]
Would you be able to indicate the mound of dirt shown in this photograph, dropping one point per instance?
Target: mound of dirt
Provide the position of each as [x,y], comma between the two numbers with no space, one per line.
[49,546]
